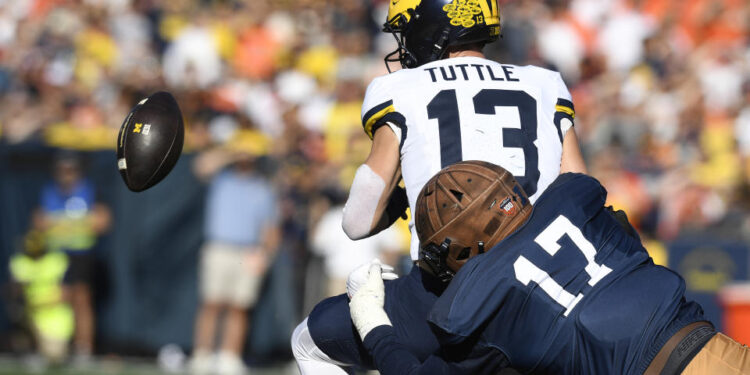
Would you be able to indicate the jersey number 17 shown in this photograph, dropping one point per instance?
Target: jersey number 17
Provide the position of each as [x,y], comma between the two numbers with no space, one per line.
[548,239]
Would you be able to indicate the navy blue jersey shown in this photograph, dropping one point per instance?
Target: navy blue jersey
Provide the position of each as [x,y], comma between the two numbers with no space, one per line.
[570,292]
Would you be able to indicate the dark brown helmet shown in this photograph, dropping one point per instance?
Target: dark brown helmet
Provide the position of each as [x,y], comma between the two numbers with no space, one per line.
[463,210]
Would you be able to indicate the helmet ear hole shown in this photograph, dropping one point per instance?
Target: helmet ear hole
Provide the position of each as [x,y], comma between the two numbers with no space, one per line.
[459,195]
[464,254]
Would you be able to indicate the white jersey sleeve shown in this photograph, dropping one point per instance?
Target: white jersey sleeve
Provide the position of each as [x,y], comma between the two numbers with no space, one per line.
[379,109]
[565,113]
[470,108]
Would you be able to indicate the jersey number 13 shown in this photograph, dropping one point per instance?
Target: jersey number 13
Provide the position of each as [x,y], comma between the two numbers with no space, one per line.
[444,108]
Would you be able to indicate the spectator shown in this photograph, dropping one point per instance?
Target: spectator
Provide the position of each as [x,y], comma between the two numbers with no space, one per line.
[560,43]
[742,127]
[621,38]
[192,61]
[242,235]
[71,219]
[40,273]
[341,255]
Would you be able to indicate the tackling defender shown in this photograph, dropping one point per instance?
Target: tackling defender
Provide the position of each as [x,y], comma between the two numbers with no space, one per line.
[563,288]
[449,104]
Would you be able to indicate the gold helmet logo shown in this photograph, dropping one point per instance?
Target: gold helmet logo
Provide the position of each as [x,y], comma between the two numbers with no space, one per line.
[466,13]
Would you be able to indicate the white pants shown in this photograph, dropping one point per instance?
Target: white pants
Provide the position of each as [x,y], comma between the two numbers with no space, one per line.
[310,359]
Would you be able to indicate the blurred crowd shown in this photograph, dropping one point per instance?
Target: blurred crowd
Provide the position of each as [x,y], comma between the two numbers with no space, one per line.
[661,88]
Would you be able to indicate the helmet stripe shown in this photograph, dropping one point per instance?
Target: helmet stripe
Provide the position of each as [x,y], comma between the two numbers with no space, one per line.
[489,10]
[396,7]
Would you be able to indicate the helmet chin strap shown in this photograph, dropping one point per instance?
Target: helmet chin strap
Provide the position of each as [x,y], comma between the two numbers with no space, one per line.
[438,49]
[435,257]
[400,55]
[408,60]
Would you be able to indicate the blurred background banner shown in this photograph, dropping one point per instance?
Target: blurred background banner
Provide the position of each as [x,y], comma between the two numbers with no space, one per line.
[146,266]
[143,276]
[708,263]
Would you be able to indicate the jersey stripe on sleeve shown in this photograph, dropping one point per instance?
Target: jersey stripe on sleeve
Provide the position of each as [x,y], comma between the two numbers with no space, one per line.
[565,113]
[566,106]
[373,115]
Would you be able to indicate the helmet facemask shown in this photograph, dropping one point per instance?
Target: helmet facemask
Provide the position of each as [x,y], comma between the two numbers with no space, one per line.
[400,26]
[440,262]
[397,27]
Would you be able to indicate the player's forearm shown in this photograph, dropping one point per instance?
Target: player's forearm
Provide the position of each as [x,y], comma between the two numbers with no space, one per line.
[360,211]
[383,223]
[572,159]
[392,358]
[364,212]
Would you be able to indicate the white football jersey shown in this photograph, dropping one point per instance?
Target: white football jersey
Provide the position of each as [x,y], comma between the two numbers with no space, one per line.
[470,108]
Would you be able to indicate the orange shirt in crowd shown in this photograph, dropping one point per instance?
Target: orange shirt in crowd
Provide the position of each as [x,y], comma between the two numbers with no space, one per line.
[700,18]
[257,53]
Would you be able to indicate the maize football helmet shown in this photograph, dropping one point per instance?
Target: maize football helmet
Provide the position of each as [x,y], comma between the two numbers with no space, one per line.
[425,29]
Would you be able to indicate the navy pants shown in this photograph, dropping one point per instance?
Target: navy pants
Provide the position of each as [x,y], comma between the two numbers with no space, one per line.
[408,301]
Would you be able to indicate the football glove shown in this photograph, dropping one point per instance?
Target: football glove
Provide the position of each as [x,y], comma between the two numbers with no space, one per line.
[397,205]
[622,219]
[366,306]
[359,276]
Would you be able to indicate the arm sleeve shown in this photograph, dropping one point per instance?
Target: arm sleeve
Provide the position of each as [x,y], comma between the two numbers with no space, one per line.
[392,358]
[378,110]
[565,112]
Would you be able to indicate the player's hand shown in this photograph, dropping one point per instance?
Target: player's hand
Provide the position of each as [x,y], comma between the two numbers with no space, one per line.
[366,306]
[359,276]
[397,205]
[622,219]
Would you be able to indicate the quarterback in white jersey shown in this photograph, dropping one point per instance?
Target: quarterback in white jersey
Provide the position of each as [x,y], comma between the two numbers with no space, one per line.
[449,104]
[471,108]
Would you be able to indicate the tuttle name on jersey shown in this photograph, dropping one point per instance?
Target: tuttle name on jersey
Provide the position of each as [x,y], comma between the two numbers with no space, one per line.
[468,72]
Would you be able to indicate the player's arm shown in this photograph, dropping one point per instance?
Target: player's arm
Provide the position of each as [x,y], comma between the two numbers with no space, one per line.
[571,159]
[375,201]
[391,357]
[384,159]
[367,209]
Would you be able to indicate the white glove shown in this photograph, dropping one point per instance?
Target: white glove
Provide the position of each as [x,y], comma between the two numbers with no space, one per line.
[366,306]
[359,276]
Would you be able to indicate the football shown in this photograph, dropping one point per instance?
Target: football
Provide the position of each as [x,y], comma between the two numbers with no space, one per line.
[150,141]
